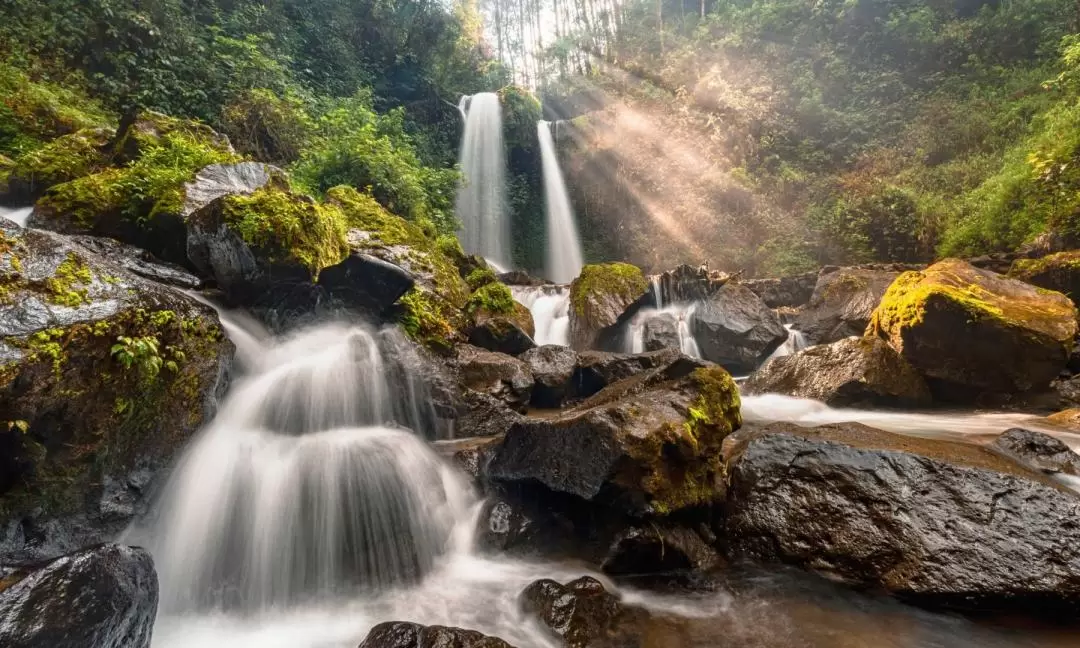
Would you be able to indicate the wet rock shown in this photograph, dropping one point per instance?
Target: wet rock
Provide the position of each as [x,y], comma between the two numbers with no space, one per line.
[510,333]
[686,284]
[504,377]
[402,634]
[661,331]
[976,335]
[785,292]
[484,415]
[648,444]
[61,160]
[520,278]
[939,522]
[511,528]
[470,455]
[104,597]
[1060,272]
[580,613]
[843,301]
[140,262]
[103,375]
[856,372]
[656,549]
[553,368]
[1040,451]
[600,297]
[598,369]
[220,180]
[736,330]
[1068,419]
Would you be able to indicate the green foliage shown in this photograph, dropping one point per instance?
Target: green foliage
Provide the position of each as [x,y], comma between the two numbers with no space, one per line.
[268,127]
[61,160]
[33,112]
[598,281]
[140,353]
[480,277]
[520,112]
[491,297]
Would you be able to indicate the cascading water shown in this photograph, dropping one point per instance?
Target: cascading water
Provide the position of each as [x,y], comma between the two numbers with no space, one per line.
[564,256]
[795,342]
[19,216]
[481,199]
[682,314]
[300,489]
[550,308]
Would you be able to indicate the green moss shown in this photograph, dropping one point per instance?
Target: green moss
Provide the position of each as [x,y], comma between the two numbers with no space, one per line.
[424,319]
[62,160]
[289,228]
[449,245]
[480,277]
[33,112]
[86,200]
[63,286]
[1029,269]
[492,298]
[622,280]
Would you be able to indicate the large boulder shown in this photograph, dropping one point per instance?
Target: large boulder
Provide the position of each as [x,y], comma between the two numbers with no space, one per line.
[973,333]
[104,375]
[64,159]
[598,369]
[660,331]
[936,521]
[1059,272]
[735,329]
[510,332]
[504,377]
[842,303]
[402,634]
[856,372]
[647,445]
[600,297]
[553,368]
[651,549]
[104,597]
[785,292]
[1039,451]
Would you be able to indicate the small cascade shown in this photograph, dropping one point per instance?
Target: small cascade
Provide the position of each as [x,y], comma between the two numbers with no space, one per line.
[19,216]
[795,342]
[302,488]
[481,199]
[681,315]
[657,289]
[550,308]
[564,256]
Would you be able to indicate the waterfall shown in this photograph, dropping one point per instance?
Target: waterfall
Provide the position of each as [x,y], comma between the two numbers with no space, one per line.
[19,215]
[657,290]
[550,308]
[302,488]
[795,342]
[564,256]
[481,198]
[682,314]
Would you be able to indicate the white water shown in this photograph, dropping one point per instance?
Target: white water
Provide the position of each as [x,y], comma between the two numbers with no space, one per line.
[481,199]
[19,216]
[683,315]
[795,342]
[550,308]
[564,256]
[300,491]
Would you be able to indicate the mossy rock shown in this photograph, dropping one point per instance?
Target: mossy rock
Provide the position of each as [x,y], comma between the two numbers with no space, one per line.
[33,112]
[521,110]
[842,303]
[506,332]
[974,334]
[101,373]
[61,160]
[648,445]
[600,296]
[140,201]
[1060,272]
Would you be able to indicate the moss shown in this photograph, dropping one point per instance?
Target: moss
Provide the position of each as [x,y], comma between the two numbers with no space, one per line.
[289,228]
[33,112]
[85,200]
[62,160]
[424,319]
[63,286]
[622,280]
[492,298]
[480,277]
[449,245]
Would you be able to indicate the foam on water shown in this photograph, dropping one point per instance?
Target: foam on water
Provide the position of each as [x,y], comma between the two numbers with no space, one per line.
[550,308]
[17,215]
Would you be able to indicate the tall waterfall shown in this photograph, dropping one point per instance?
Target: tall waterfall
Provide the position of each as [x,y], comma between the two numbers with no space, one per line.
[564,257]
[302,488]
[481,199]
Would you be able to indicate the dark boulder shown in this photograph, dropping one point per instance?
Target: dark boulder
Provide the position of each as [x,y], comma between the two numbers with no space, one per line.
[471,455]
[139,262]
[976,335]
[510,333]
[402,634]
[856,372]
[104,375]
[736,330]
[660,331]
[598,369]
[649,444]
[581,613]
[654,549]
[102,597]
[842,303]
[1040,451]
[938,522]
[520,278]
[785,292]
[600,298]
[527,530]
[553,369]
[504,377]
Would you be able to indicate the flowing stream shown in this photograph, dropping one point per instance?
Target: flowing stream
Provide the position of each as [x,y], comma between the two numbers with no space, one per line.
[564,256]
[304,514]
[550,308]
[481,199]
[19,215]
